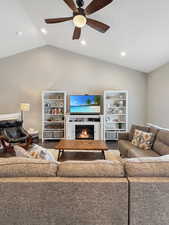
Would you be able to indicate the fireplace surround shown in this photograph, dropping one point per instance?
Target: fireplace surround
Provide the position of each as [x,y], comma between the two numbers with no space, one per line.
[84,127]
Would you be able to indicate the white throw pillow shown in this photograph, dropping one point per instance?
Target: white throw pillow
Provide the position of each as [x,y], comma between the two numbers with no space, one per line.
[37,151]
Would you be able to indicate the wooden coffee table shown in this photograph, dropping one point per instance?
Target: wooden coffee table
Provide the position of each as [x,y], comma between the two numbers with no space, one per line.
[82,145]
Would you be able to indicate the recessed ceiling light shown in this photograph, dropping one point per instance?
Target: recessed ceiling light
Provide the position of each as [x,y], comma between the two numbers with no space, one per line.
[44,31]
[19,33]
[123,54]
[83,42]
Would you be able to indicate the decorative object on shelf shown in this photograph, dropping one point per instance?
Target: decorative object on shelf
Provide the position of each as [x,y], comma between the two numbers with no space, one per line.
[115,113]
[24,107]
[79,16]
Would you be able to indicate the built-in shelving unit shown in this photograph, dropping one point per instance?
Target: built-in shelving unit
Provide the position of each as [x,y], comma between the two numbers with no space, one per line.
[115,114]
[53,115]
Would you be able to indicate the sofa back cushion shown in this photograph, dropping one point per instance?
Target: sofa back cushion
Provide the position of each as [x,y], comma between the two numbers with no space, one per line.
[25,167]
[147,167]
[137,127]
[161,144]
[98,168]
[154,130]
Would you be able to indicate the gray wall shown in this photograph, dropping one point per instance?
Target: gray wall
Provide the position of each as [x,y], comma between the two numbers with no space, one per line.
[158,97]
[25,75]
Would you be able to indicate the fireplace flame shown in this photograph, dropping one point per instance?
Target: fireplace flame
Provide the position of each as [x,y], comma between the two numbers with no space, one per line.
[84,134]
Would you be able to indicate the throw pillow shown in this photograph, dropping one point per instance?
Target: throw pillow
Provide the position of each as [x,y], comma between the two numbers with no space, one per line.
[143,140]
[146,140]
[136,137]
[36,152]
[39,152]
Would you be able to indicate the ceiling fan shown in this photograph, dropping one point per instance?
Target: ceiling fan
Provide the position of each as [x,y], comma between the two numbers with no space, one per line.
[80,16]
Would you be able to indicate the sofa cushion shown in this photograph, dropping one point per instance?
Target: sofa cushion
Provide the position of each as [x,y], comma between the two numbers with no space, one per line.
[135,152]
[124,147]
[112,155]
[161,144]
[25,167]
[132,130]
[147,167]
[155,131]
[98,168]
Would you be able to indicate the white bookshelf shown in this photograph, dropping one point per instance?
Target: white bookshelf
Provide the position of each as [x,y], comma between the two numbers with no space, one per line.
[115,114]
[53,115]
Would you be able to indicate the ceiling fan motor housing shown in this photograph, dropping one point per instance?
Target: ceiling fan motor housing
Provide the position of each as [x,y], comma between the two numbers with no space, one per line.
[81,11]
[80,3]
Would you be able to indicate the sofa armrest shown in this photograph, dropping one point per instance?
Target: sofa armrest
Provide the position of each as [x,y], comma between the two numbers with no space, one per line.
[124,136]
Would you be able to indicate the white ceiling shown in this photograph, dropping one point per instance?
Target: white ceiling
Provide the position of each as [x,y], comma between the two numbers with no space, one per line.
[13,19]
[140,28]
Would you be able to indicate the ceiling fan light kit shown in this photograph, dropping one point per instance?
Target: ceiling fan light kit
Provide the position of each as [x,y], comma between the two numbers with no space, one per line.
[79,21]
[80,16]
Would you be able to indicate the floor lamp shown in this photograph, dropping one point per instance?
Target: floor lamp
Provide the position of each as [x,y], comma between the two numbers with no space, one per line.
[24,107]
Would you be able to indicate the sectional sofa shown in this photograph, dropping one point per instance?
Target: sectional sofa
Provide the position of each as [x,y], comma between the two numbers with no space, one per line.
[115,191]
[160,145]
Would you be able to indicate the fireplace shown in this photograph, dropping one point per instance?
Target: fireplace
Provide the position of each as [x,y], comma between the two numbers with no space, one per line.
[84,132]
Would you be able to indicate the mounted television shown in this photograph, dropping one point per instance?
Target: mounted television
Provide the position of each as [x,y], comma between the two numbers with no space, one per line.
[85,104]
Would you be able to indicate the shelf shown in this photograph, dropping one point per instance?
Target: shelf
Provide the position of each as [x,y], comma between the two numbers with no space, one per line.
[117,107]
[54,107]
[114,122]
[115,130]
[47,114]
[112,114]
[55,130]
[114,98]
[54,99]
[113,139]
[49,130]
[61,121]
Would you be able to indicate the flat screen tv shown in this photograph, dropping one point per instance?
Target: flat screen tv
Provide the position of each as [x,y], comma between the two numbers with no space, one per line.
[85,104]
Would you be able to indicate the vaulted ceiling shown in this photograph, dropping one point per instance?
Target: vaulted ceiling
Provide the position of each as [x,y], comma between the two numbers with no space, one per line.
[139,28]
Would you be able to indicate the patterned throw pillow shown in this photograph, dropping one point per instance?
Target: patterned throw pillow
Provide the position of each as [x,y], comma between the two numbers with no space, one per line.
[136,137]
[143,140]
[146,140]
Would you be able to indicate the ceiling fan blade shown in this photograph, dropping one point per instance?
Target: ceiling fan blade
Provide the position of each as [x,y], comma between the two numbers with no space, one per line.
[101,27]
[58,20]
[71,5]
[77,33]
[96,5]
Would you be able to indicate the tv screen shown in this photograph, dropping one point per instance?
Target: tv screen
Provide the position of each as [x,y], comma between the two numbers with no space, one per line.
[85,104]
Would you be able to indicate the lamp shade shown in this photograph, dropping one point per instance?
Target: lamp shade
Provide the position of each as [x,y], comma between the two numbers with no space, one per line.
[25,107]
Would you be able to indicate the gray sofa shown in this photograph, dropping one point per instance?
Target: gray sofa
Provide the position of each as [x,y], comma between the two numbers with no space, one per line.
[103,192]
[148,190]
[37,192]
[159,147]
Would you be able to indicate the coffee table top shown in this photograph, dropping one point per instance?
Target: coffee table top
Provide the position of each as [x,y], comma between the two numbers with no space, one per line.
[93,145]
